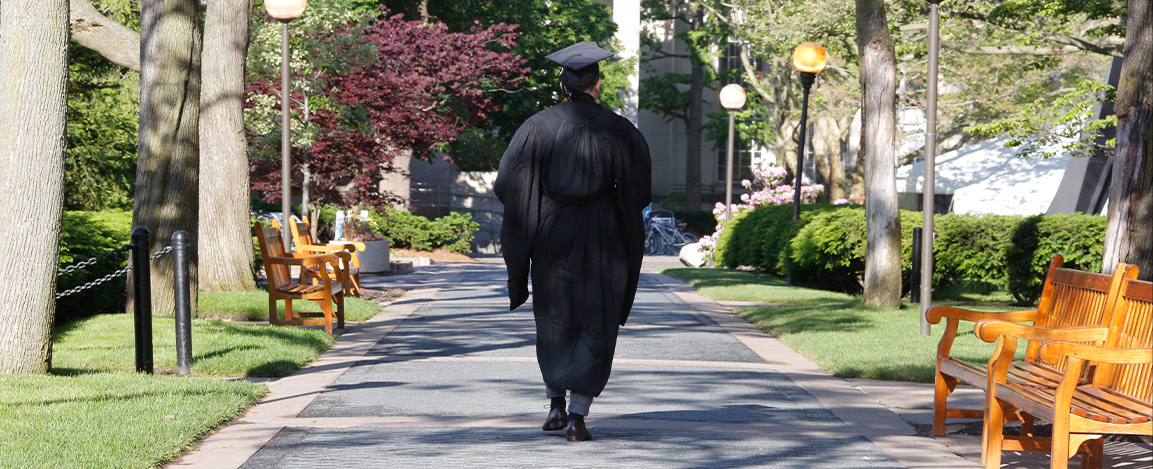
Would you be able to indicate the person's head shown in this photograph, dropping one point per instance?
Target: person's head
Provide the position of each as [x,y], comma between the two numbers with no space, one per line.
[586,80]
[581,67]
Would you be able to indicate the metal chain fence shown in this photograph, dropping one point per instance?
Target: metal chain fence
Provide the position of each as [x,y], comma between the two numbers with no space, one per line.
[113,254]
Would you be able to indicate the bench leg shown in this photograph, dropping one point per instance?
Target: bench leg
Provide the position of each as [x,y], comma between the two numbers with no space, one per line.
[271,309]
[943,386]
[340,311]
[326,306]
[355,279]
[288,316]
[994,433]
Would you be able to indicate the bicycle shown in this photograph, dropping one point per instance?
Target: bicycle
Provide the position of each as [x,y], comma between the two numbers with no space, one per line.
[663,235]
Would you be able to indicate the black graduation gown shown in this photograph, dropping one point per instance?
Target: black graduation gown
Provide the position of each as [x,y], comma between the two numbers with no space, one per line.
[574,181]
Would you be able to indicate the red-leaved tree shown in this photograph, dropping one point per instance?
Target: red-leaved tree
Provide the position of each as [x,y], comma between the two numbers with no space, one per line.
[416,89]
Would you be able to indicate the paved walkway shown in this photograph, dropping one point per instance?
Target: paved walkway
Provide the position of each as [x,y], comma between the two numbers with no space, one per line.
[447,376]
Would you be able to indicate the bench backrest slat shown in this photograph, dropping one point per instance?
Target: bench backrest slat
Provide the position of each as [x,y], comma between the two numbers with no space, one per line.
[1131,328]
[1075,298]
[272,246]
[301,232]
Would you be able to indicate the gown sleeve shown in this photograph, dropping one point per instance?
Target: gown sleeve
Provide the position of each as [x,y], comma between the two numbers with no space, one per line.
[518,188]
[633,170]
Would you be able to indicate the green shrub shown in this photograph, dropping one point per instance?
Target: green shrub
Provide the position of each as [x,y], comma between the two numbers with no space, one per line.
[453,232]
[85,235]
[972,247]
[1080,239]
[827,247]
[698,221]
[829,251]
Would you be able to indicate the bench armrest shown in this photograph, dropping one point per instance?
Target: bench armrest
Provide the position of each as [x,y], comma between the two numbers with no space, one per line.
[1052,351]
[333,248]
[936,313]
[307,261]
[990,329]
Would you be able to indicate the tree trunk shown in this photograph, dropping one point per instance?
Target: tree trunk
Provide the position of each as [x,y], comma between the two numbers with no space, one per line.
[225,239]
[1128,236]
[694,126]
[836,187]
[33,83]
[168,161]
[397,182]
[856,176]
[111,40]
[786,146]
[883,223]
[823,128]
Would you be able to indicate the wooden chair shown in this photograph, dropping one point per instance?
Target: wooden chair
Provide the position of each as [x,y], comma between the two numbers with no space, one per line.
[1118,398]
[1069,298]
[324,290]
[302,239]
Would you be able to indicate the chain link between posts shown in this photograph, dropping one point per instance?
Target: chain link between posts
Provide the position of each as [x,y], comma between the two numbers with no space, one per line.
[113,254]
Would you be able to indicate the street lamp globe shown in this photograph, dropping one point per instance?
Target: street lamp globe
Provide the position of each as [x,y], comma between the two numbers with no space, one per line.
[732,97]
[285,10]
[809,57]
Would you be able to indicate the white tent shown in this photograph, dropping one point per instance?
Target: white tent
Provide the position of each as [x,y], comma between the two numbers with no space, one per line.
[987,178]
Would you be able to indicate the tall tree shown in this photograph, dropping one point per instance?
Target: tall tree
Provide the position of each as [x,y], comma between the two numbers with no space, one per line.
[544,26]
[168,150]
[1129,237]
[396,87]
[226,260]
[878,98]
[680,96]
[33,81]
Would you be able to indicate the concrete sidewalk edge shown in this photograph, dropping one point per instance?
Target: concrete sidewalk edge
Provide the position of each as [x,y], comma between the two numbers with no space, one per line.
[232,445]
[861,412]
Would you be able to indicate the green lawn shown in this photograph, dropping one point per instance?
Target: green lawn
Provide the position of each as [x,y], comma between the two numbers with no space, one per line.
[95,412]
[219,348]
[836,330]
[253,306]
[100,420]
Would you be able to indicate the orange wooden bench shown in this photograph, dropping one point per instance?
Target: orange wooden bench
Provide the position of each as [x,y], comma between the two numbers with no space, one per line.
[1069,298]
[350,263]
[324,290]
[1117,397]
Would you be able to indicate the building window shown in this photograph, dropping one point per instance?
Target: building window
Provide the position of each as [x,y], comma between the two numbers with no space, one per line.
[744,160]
[746,154]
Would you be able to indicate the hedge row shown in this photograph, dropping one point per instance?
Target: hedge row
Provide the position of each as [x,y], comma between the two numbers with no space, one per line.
[826,246]
[404,230]
[85,235]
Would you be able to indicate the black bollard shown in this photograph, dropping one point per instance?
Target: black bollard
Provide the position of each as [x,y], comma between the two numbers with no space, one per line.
[181,294]
[142,298]
[915,294]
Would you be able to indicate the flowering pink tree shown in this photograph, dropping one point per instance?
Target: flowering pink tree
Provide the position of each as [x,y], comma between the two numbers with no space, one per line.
[383,89]
[769,187]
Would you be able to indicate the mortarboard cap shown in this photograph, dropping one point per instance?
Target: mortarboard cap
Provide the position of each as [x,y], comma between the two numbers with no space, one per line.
[579,55]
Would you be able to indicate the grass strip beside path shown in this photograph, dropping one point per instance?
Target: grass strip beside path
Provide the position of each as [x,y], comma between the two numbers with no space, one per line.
[836,330]
[253,306]
[99,420]
[219,348]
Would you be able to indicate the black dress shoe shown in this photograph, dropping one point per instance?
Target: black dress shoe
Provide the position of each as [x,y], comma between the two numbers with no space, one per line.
[557,419]
[576,430]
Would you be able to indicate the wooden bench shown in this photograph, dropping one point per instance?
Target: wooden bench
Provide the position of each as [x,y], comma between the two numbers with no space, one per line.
[350,263]
[1116,398]
[324,290]
[1069,298]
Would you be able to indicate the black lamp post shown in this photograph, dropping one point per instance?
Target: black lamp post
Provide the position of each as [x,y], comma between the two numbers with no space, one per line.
[285,11]
[732,97]
[809,59]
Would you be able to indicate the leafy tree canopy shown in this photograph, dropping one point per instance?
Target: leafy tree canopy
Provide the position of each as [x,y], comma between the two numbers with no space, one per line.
[544,27]
[372,88]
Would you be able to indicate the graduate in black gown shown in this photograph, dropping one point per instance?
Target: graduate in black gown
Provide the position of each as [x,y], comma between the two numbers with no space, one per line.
[574,181]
